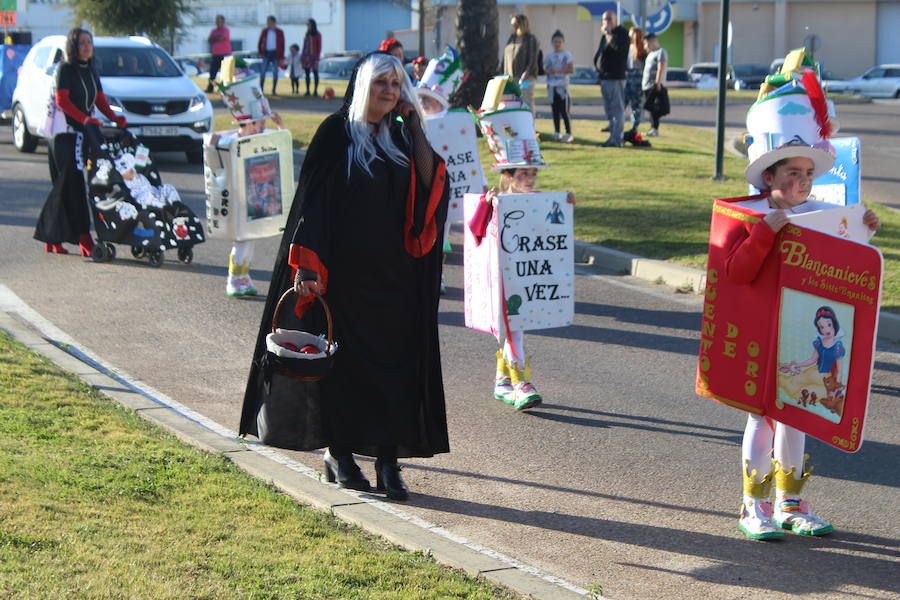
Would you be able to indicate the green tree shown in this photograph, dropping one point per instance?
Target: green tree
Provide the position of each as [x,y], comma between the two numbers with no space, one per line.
[160,20]
[476,27]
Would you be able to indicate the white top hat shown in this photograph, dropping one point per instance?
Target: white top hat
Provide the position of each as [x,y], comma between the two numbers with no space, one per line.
[789,122]
[442,77]
[242,93]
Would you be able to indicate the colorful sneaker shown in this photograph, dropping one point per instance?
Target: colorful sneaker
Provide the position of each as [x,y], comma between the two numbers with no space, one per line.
[756,520]
[526,396]
[503,390]
[233,286]
[794,514]
[247,284]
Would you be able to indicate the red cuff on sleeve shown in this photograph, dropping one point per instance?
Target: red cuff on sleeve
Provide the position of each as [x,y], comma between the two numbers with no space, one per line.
[300,257]
[420,245]
[103,104]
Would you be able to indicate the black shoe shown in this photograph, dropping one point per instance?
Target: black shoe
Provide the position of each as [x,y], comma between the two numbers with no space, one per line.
[610,144]
[388,480]
[306,94]
[209,88]
[605,129]
[346,472]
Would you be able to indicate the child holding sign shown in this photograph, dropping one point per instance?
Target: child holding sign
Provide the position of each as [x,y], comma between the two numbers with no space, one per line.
[512,382]
[789,150]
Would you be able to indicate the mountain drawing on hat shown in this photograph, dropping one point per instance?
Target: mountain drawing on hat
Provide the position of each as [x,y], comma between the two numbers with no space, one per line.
[792,108]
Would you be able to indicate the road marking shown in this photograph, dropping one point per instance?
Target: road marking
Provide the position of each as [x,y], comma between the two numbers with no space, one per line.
[11,303]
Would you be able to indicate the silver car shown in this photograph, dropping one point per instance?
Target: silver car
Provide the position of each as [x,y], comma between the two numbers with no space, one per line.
[882,81]
[164,108]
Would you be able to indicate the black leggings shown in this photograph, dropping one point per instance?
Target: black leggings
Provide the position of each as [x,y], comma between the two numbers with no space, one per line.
[560,107]
[654,120]
[316,76]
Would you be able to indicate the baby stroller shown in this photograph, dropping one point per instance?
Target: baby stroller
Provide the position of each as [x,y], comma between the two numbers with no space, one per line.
[132,206]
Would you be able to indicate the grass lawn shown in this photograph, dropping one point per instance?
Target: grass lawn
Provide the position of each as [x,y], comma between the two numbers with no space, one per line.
[654,202]
[96,503]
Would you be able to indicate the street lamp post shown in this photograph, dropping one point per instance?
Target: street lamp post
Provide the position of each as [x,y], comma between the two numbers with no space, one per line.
[720,100]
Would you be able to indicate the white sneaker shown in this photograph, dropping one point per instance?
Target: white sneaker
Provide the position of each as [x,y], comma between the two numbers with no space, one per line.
[557,136]
[652,133]
[569,138]
[756,519]
[233,286]
[795,514]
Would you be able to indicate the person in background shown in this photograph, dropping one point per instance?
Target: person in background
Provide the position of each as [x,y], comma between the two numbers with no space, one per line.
[219,47]
[294,66]
[520,58]
[65,216]
[393,47]
[558,65]
[271,49]
[654,75]
[610,61]
[420,63]
[312,50]
[634,93]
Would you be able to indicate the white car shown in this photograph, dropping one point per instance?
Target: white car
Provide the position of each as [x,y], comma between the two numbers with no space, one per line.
[882,81]
[164,108]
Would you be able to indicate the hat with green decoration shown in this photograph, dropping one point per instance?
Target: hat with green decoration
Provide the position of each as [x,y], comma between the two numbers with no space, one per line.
[792,121]
[241,92]
[442,77]
[508,127]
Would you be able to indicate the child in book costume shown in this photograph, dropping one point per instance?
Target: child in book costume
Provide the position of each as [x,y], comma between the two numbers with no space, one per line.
[240,90]
[789,128]
[508,127]
[369,168]
[451,133]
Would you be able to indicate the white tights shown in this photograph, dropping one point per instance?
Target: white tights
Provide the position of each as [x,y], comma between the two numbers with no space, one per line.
[760,438]
[516,340]
[242,254]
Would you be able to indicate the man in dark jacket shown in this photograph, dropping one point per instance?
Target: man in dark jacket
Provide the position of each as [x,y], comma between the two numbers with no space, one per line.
[611,60]
[271,49]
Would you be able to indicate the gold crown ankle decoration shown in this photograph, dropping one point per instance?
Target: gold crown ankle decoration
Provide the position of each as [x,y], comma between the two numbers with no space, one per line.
[754,488]
[520,375]
[785,481]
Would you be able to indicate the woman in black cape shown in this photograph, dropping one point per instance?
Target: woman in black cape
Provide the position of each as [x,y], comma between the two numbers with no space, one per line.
[365,230]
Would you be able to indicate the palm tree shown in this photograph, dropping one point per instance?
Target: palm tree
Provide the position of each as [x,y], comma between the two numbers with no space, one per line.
[476,27]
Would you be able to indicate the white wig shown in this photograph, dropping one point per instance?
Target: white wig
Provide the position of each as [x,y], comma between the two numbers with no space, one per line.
[362,147]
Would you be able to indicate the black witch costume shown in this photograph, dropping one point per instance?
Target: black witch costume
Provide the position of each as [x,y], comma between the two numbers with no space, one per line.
[375,243]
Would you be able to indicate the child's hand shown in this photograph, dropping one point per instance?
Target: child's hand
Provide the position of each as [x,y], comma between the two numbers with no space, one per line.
[570,198]
[871,220]
[276,118]
[491,197]
[776,220]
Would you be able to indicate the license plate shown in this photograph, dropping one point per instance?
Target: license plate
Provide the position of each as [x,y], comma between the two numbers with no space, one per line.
[157,131]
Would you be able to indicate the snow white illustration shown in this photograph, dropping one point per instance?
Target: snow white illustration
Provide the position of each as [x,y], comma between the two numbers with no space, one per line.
[820,378]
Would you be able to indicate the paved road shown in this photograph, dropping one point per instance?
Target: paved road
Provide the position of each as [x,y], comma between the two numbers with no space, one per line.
[623,478]
[876,124]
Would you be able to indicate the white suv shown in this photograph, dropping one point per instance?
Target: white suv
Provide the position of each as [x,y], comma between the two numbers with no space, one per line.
[164,108]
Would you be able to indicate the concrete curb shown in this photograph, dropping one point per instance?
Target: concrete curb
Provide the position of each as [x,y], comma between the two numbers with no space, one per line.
[683,278]
[297,481]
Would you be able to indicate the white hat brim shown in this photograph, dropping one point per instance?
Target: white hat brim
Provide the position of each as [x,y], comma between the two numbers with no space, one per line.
[822,162]
[509,167]
[424,91]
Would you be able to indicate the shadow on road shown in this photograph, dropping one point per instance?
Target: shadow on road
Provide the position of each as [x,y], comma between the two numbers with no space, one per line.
[780,566]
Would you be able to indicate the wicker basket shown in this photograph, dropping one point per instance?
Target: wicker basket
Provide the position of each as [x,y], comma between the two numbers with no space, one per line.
[299,365]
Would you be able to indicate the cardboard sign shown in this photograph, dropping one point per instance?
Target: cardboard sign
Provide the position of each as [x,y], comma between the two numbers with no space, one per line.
[795,339]
[843,221]
[249,185]
[841,184]
[453,137]
[522,271]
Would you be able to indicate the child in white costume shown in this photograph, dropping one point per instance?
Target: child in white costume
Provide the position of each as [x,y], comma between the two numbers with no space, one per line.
[512,381]
[251,120]
[787,153]
[441,78]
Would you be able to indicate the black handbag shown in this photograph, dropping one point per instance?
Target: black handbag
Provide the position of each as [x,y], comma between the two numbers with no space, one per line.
[657,102]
